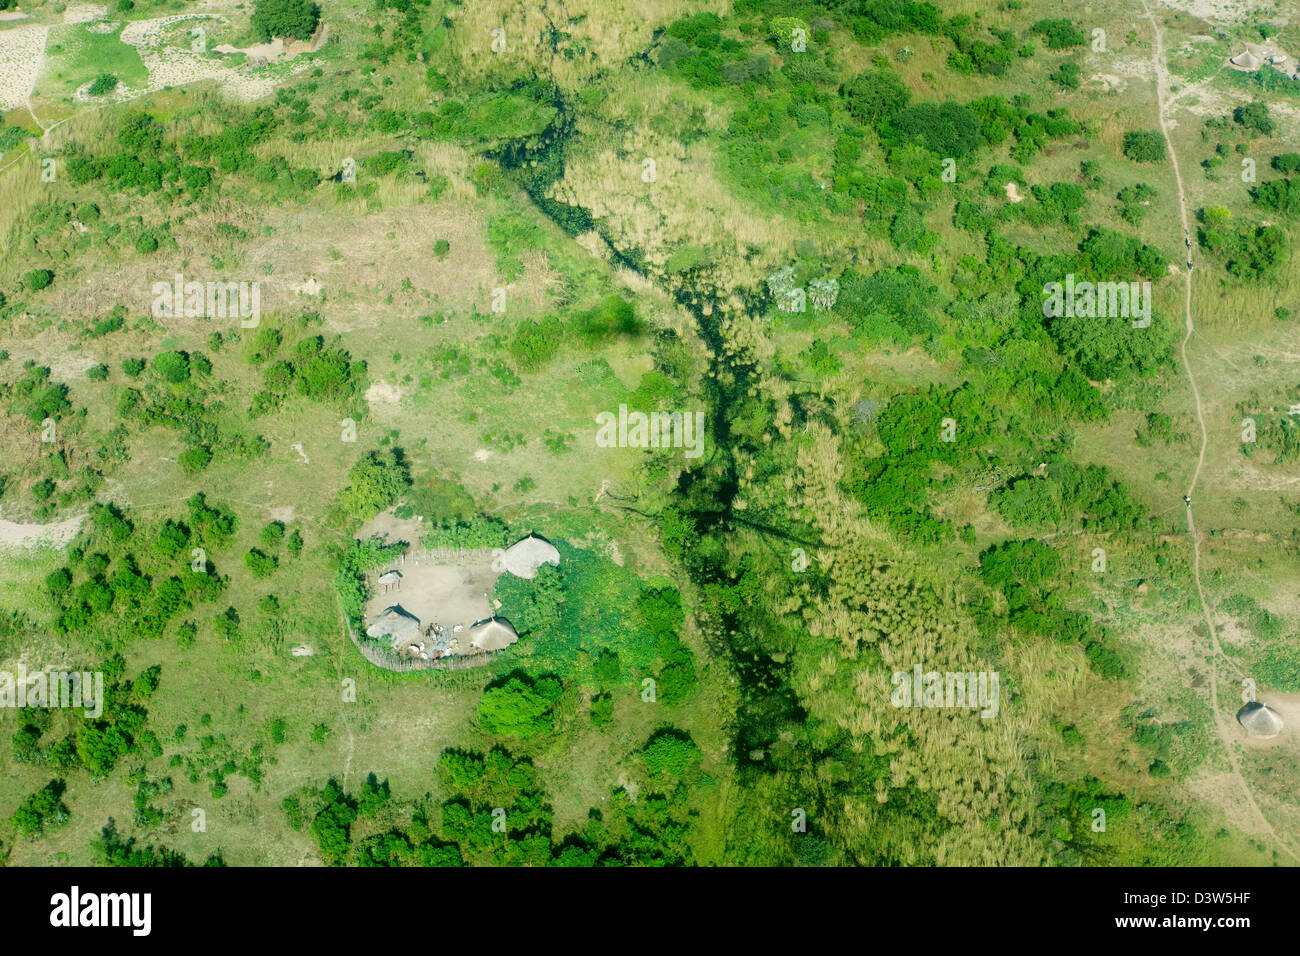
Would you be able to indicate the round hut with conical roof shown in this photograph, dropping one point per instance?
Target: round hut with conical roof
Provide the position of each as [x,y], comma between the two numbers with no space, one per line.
[523,558]
[492,634]
[1260,720]
[1246,61]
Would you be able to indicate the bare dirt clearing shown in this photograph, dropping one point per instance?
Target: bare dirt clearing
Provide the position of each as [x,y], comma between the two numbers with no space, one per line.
[22,53]
[58,535]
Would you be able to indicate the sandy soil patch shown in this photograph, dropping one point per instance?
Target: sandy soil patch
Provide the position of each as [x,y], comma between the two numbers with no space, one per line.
[1218,9]
[381,393]
[84,13]
[175,66]
[283,513]
[59,535]
[279,48]
[22,54]
[1013,193]
[482,455]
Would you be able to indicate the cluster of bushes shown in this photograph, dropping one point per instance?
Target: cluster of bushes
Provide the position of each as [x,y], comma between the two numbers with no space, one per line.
[287,19]
[1066,495]
[518,705]
[36,397]
[1059,34]
[695,50]
[1280,195]
[889,306]
[173,396]
[495,812]
[1026,573]
[1249,251]
[508,123]
[1164,840]
[116,584]
[979,56]
[95,744]
[319,372]
[1145,146]
[1276,431]
[375,482]
[147,161]
[536,341]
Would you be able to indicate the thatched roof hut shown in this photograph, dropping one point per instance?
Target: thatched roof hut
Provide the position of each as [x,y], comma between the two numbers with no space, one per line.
[390,577]
[1246,61]
[1260,720]
[492,634]
[523,558]
[397,624]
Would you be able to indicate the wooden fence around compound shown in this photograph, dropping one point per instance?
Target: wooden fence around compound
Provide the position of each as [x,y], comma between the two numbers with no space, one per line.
[451,556]
[399,662]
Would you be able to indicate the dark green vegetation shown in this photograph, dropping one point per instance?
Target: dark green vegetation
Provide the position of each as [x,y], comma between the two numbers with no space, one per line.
[908,461]
[290,19]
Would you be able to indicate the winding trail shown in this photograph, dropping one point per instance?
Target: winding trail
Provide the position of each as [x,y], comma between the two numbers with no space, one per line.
[1164,101]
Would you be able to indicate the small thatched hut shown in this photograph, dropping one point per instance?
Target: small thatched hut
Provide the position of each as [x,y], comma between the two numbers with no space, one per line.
[1246,61]
[397,624]
[492,634]
[1260,720]
[524,557]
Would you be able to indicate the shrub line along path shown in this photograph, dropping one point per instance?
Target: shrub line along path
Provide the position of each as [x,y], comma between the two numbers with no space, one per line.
[1162,101]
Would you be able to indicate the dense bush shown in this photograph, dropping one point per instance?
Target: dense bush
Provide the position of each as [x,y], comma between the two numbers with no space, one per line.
[37,279]
[296,19]
[519,706]
[374,483]
[1144,146]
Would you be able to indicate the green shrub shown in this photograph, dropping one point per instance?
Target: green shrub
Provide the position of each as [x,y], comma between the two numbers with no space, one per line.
[35,280]
[1144,146]
[295,19]
[103,84]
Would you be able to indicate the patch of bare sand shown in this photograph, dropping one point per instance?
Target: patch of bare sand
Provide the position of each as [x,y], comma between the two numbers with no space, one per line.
[380,393]
[15,534]
[1013,193]
[84,13]
[390,528]
[279,48]
[22,54]
[1220,10]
